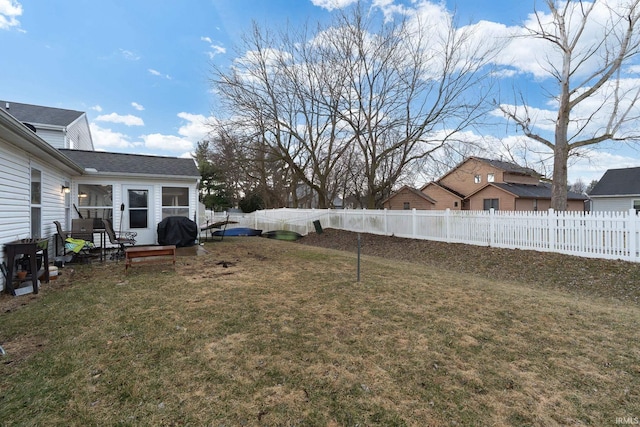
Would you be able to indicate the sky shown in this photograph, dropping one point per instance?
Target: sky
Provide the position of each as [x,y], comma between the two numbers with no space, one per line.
[140,69]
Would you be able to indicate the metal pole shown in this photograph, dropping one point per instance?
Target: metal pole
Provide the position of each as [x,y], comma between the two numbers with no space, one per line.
[358,257]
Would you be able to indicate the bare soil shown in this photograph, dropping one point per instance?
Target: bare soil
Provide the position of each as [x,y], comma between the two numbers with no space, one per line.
[584,276]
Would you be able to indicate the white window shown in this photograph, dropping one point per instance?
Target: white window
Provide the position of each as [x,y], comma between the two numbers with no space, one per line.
[636,205]
[477,179]
[491,204]
[491,177]
[36,203]
[95,201]
[175,201]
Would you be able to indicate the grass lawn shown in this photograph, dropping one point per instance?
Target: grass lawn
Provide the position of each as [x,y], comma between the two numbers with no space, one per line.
[262,332]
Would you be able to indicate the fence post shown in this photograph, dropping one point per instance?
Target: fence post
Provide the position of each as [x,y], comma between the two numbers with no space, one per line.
[414,224]
[551,225]
[631,235]
[492,227]
[386,225]
[447,238]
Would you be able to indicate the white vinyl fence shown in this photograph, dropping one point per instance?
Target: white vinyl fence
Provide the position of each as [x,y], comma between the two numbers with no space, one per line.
[612,235]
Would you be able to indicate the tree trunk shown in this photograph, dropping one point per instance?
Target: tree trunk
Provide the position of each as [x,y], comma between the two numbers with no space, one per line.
[561,154]
[559,185]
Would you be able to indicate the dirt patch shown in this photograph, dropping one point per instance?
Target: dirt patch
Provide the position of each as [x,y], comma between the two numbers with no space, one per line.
[10,303]
[597,277]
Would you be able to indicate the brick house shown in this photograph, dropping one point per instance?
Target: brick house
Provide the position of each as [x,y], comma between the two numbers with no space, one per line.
[481,184]
[409,198]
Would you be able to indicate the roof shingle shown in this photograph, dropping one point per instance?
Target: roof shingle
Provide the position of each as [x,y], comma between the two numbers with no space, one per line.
[28,113]
[122,163]
[618,182]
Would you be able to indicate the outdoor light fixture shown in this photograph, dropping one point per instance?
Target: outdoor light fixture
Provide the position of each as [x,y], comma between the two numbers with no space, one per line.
[65,189]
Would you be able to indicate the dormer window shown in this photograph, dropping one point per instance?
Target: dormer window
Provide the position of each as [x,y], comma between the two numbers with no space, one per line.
[491,177]
[477,179]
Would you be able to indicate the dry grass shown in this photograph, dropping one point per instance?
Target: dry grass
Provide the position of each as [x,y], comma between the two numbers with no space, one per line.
[260,332]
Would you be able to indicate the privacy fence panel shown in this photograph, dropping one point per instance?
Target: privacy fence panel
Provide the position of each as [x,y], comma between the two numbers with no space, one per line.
[611,235]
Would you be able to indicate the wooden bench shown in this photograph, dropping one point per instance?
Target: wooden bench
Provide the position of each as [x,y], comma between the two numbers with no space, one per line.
[149,255]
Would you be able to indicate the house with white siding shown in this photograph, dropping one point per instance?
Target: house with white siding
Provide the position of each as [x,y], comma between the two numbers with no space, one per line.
[49,172]
[61,128]
[617,190]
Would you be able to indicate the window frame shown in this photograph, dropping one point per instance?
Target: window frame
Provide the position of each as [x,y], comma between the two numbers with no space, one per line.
[87,206]
[493,203]
[175,208]
[35,202]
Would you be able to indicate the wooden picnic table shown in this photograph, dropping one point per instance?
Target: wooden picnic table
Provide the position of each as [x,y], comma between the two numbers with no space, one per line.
[149,255]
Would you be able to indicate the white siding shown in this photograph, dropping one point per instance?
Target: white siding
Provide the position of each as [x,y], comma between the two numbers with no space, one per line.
[612,204]
[79,133]
[15,205]
[156,188]
[53,137]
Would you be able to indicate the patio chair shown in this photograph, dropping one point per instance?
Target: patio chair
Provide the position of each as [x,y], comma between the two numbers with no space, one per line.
[62,236]
[81,241]
[120,239]
[79,249]
[82,229]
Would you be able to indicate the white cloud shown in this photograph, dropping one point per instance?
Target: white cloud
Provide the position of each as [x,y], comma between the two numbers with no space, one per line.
[159,74]
[131,56]
[193,129]
[333,4]
[10,10]
[593,164]
[137,106]
[532,55]
[97,108]
[157,141]
[215,49]
[106,139]
[128,120]
[196,128]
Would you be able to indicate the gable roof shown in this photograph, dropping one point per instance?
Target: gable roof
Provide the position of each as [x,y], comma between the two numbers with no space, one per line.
[618,182]
[17,134]
[411,190]
[498,164]
[528,191]
[443,187]
[508,166]
[106,163]
[28,113]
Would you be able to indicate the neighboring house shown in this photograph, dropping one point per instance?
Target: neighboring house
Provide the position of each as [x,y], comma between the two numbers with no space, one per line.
[617,190]
[34,175]
[481,184]
[408,198]
[520,197]
[59,127]
[445,198]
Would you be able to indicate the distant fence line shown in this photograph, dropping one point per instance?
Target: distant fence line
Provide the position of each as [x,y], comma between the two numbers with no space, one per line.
[610,235]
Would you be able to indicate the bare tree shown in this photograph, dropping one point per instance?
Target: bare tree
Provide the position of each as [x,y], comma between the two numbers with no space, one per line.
[593,43]
[413,86]
[578,186]
[284,92]
[357,102]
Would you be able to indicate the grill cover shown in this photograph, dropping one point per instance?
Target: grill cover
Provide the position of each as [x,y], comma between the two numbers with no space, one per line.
[177,230]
